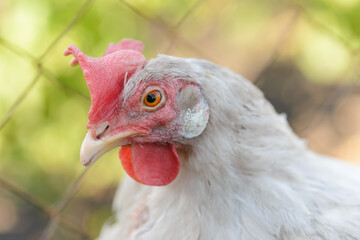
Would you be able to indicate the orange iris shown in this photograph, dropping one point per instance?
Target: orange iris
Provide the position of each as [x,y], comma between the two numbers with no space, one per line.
[153,98]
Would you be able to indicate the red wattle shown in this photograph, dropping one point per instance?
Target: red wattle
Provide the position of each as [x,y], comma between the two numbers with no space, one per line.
[154,164]
[125,158]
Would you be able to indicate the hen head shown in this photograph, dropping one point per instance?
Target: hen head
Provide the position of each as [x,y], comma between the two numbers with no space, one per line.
[146,112]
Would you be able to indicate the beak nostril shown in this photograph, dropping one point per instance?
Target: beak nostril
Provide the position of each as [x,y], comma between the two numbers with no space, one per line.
[102,131]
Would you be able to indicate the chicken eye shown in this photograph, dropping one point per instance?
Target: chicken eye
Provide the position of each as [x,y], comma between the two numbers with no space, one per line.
[153,98]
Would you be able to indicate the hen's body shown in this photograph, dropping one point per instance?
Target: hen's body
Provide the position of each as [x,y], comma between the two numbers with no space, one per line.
[247,176]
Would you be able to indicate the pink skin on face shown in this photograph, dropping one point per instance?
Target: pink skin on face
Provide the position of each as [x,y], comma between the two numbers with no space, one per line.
[152,157]
[134,116]
[157,119]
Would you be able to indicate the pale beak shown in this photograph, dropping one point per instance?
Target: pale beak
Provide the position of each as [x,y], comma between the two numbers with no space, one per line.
[92,149]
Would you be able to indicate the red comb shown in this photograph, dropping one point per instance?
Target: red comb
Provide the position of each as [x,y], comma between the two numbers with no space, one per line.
[105,76]
[128,44]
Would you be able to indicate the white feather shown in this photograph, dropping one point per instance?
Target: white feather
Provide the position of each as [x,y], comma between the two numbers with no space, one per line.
[247,176]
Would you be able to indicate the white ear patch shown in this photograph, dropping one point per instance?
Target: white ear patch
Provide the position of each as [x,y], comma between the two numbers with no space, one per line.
[194,111]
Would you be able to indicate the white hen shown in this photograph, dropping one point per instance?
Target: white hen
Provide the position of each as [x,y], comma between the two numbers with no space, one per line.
[244,174]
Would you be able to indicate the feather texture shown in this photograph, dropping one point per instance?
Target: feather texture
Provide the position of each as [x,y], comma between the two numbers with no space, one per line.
[247,176]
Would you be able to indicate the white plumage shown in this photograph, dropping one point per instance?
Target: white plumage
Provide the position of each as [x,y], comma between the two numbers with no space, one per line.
[246,176]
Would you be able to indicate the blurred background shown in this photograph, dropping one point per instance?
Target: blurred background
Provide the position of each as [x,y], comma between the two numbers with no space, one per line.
[303,54]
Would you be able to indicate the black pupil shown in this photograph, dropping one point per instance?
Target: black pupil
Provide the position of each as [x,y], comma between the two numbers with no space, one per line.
[151,98]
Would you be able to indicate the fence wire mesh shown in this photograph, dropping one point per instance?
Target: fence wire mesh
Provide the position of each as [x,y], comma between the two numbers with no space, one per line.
[191,28]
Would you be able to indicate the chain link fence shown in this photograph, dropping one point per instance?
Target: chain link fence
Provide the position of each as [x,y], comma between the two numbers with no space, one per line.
[197,31]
